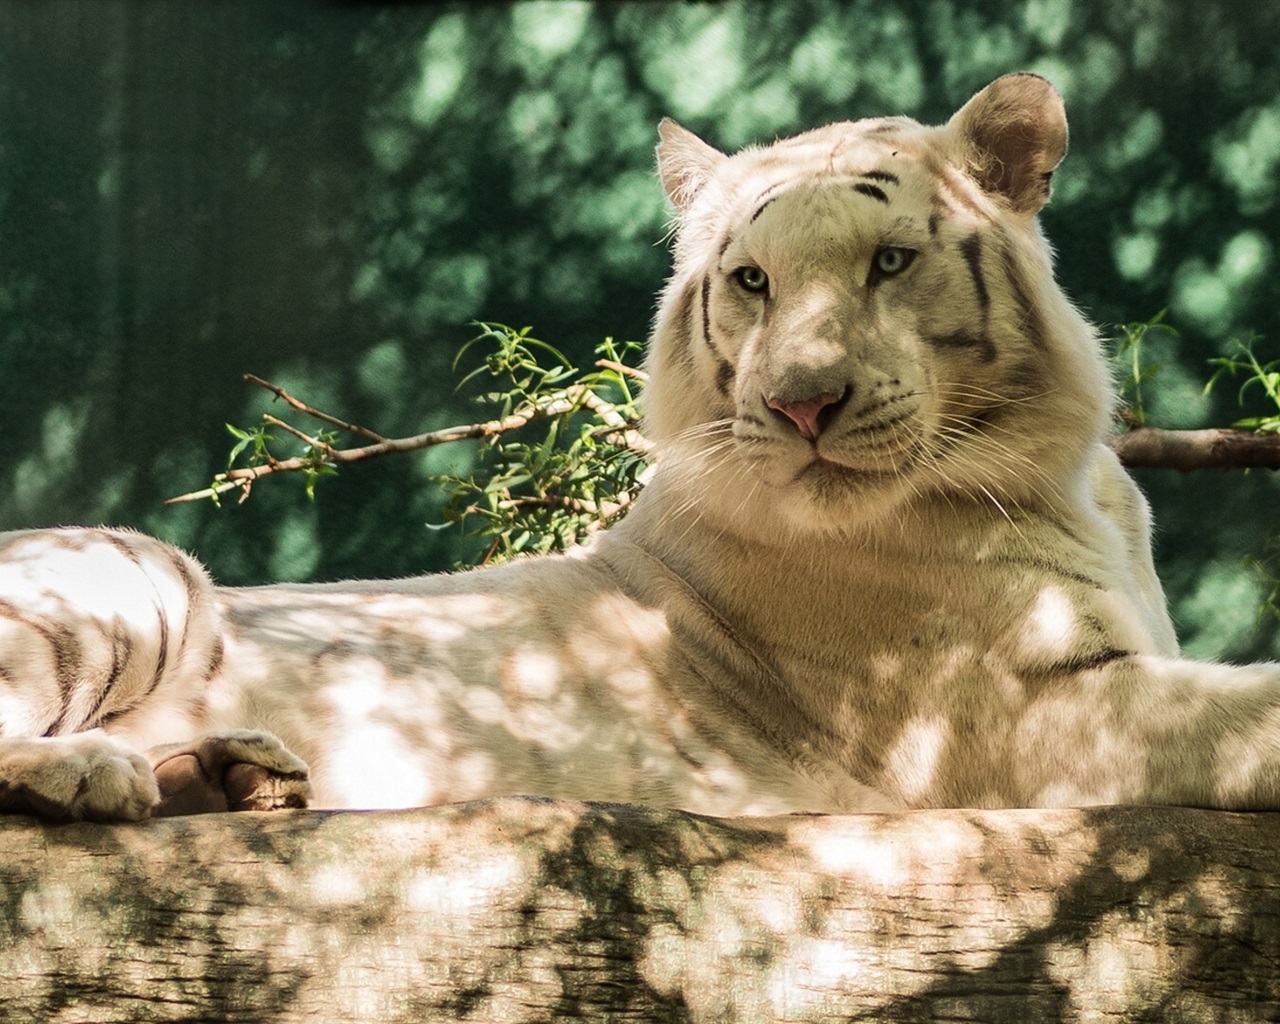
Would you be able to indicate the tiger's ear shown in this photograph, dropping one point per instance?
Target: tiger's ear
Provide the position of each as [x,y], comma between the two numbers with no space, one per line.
[685,163]
[1011,136]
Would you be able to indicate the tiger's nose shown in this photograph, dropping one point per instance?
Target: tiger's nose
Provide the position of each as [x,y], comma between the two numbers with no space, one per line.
[808,414]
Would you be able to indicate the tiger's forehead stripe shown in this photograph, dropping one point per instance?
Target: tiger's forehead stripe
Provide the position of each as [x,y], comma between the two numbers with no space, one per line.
[874,191]
[763,199]
[760,209]
[862,183]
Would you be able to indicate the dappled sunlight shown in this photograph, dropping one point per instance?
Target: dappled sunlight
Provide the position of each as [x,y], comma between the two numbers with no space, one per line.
[1076,751]
[914,757]
[1204,295]
[1115,966]
[81,609]
[1136,254]
[1247,760]
[371,765]
[969,906]
[337,885]
[465,889]
[819,967]
[1051,629]
[535,706]
[1211,606]
[39,470]
[551,28]
[472,688]
[695,58]
[348,190]
[1118,963]
[1141,138]
[295,551]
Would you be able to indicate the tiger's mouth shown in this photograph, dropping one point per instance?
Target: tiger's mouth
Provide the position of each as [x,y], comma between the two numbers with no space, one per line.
[858,456]
[824,471]
[872,449]
[822,480]
[821,468]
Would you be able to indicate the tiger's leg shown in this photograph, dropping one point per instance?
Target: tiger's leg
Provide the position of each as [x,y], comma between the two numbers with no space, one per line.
[85,776]
[1145,729]
[107,632]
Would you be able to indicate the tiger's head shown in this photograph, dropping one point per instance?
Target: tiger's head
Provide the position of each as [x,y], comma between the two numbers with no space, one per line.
[865,315]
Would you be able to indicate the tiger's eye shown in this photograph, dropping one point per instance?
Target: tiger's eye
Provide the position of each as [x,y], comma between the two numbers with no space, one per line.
[893,259]
[753,279]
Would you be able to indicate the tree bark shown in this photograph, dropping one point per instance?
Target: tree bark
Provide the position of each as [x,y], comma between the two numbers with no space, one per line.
[532,910]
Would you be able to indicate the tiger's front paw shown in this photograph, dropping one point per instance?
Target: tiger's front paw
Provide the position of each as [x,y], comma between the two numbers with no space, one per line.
[237,770]
[87,776]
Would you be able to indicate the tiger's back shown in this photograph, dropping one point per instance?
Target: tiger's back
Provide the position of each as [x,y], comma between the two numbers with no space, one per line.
[97,626]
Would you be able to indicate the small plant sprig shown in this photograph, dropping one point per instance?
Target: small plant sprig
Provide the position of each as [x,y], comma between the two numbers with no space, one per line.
[314,461]
[578,474]
[1265,375]
[1131,356]
[539,493]
[314,458]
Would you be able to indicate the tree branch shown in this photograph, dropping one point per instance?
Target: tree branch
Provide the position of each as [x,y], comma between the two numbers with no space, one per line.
[1186,450]
[572,398]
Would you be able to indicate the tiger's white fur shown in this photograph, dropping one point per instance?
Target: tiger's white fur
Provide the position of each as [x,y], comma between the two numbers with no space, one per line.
[884,561]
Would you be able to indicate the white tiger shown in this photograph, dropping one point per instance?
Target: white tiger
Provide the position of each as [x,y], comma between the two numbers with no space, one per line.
[884,561]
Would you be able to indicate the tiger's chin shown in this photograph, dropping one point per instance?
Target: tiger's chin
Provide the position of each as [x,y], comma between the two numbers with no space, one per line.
[826,497]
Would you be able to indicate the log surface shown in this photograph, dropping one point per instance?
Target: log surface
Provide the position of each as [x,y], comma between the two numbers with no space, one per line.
[533,910]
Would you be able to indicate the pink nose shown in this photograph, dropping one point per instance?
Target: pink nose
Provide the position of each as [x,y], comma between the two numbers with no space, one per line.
[804,414]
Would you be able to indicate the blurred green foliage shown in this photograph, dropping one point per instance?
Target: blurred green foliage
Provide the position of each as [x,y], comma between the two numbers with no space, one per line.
[325,193]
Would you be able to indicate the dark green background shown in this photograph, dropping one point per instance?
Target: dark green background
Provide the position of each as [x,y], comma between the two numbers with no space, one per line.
[326,193]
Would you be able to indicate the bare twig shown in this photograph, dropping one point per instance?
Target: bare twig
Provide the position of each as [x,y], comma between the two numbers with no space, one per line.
[624,369]
[324,417]
[312,441]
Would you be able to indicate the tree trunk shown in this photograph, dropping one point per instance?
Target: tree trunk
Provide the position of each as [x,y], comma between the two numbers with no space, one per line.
[531,910]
